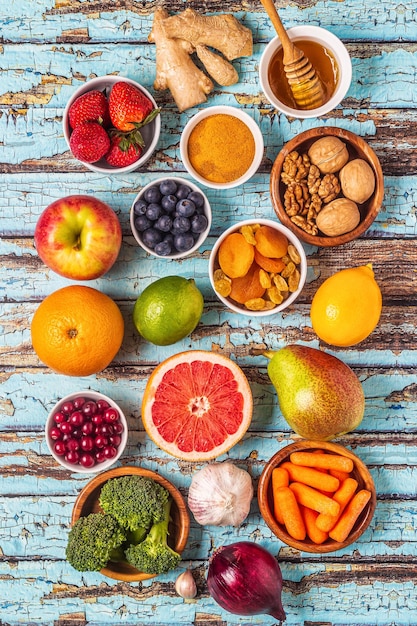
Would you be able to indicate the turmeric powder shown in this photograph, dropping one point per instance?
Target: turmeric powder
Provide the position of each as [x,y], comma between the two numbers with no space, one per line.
[221,148]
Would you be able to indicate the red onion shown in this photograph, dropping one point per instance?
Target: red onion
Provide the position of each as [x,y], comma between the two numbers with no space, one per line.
[245,579]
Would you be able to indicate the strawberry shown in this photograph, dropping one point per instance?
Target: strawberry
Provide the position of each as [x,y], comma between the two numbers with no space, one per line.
[122,151]
[90,107]
[89,142]
[129,108]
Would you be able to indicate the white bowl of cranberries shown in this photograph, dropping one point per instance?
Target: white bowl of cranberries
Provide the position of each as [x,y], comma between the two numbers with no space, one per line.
[86,431]
[112,124]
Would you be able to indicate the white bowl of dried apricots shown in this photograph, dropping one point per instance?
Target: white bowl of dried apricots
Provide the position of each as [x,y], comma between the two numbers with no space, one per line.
[257,267]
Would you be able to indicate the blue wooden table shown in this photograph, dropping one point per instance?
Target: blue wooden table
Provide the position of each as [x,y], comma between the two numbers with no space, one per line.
[47,49]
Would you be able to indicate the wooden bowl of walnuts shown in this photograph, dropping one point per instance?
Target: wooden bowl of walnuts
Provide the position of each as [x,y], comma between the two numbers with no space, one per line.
[327,186]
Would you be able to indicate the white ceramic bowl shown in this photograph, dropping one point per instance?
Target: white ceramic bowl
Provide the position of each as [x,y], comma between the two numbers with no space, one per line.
[223,110]
[302,268]
[88,394]
[207,212]
[150,132]
[326,39]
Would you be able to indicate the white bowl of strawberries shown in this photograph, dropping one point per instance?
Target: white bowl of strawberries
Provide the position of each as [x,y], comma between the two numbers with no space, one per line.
[112,125]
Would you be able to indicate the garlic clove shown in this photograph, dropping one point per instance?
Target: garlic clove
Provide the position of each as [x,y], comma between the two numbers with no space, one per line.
[185,585]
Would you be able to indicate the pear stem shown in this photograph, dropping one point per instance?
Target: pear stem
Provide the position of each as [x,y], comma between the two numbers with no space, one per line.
[268,353]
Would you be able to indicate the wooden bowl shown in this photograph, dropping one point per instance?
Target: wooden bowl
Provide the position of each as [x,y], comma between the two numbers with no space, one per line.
[360,473]
[357,148]
[88,502]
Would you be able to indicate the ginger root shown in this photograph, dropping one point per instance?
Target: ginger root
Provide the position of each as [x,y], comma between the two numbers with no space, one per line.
[177,37]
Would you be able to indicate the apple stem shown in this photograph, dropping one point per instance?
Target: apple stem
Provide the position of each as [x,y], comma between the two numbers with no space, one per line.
[268,353]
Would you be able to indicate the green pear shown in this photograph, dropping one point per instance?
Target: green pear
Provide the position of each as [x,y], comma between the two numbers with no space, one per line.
[320,396]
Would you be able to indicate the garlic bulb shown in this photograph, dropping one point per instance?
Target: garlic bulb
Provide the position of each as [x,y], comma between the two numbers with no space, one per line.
[220,494]
[185,585]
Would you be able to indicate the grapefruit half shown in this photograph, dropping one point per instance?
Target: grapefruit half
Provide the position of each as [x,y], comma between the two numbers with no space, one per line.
[197,405]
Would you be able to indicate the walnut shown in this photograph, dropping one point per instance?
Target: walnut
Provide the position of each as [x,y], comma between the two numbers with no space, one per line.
[295,167]
[357,180]
[329,188]
[302,223]
[313,179]
[296,199]
[329,153]
[338,217]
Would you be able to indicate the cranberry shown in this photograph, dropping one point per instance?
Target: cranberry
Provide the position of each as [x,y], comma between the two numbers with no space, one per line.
[87,428]
[89,408]
[78,402]
[87,460]
[72,456]
[55,433]
[77,433]
[87,443]
[100,441]
[76,418]
[102,405]
[115,440]
[100,456]
[118,428]
[97,419]
[60,448]
[106,429]
[73,445]
[111,415]
[109,452]
[67,407]
[59,417]
[66,428]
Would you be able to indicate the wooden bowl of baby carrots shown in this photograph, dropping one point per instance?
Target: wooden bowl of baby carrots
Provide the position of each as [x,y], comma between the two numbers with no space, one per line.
[316,496]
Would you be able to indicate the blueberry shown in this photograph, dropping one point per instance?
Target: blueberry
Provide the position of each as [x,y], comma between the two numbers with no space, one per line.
[198,223]
[153,211]
[152,194]
[168,187]
[151,237]
[164,223]
[181,224]
[142,223]
[183,191]
[163,248]
[139,208]
[169,203]
[183,242]
[185,207]
[197,198]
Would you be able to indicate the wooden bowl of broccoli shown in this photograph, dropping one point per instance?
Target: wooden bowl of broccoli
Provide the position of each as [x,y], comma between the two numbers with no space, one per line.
[128,523]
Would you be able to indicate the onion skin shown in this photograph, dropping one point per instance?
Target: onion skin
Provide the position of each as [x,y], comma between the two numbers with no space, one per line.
[245,579]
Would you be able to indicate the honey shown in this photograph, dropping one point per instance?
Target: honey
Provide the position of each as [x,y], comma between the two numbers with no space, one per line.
[321,59]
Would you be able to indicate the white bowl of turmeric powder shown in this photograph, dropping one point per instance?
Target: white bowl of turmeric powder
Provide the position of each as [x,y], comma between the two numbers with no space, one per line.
[221,147]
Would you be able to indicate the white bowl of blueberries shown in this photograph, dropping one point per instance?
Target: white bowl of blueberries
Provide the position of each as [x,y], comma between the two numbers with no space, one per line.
[170,217]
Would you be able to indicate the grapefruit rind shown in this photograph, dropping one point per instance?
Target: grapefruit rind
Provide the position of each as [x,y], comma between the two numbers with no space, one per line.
[172,427]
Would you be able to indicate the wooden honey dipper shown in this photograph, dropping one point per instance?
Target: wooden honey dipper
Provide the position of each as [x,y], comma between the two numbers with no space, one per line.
[305,85]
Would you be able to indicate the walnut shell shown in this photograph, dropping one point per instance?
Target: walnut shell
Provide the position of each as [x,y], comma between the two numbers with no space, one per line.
[330,154]
[357,180]
[338,217]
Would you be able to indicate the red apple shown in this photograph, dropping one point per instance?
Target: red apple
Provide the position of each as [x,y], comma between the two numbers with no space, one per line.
[78,237]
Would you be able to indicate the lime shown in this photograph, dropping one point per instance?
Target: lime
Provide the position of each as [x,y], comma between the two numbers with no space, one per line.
[168,310]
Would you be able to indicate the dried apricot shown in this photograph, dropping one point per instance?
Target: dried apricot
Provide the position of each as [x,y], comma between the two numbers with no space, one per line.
[269,264]
[235,255]
[270,242]
[247,287]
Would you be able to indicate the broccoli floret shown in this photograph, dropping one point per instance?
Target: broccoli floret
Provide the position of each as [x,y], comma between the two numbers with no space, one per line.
[153,555]
[93,541]
[135,501]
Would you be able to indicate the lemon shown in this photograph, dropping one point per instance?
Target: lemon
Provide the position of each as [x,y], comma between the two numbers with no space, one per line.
[346,308]
[168,310]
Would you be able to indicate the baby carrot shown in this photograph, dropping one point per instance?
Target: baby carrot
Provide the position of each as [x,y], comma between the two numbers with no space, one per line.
[343,495]
[339,474]
[293,520]
[312,477]
[349,516]
[280,478]
[325,461]
[316,535]
[313,499]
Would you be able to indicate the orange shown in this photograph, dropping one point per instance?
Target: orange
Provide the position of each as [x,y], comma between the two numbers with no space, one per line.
[346,308]
[197,405]
[77,330]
